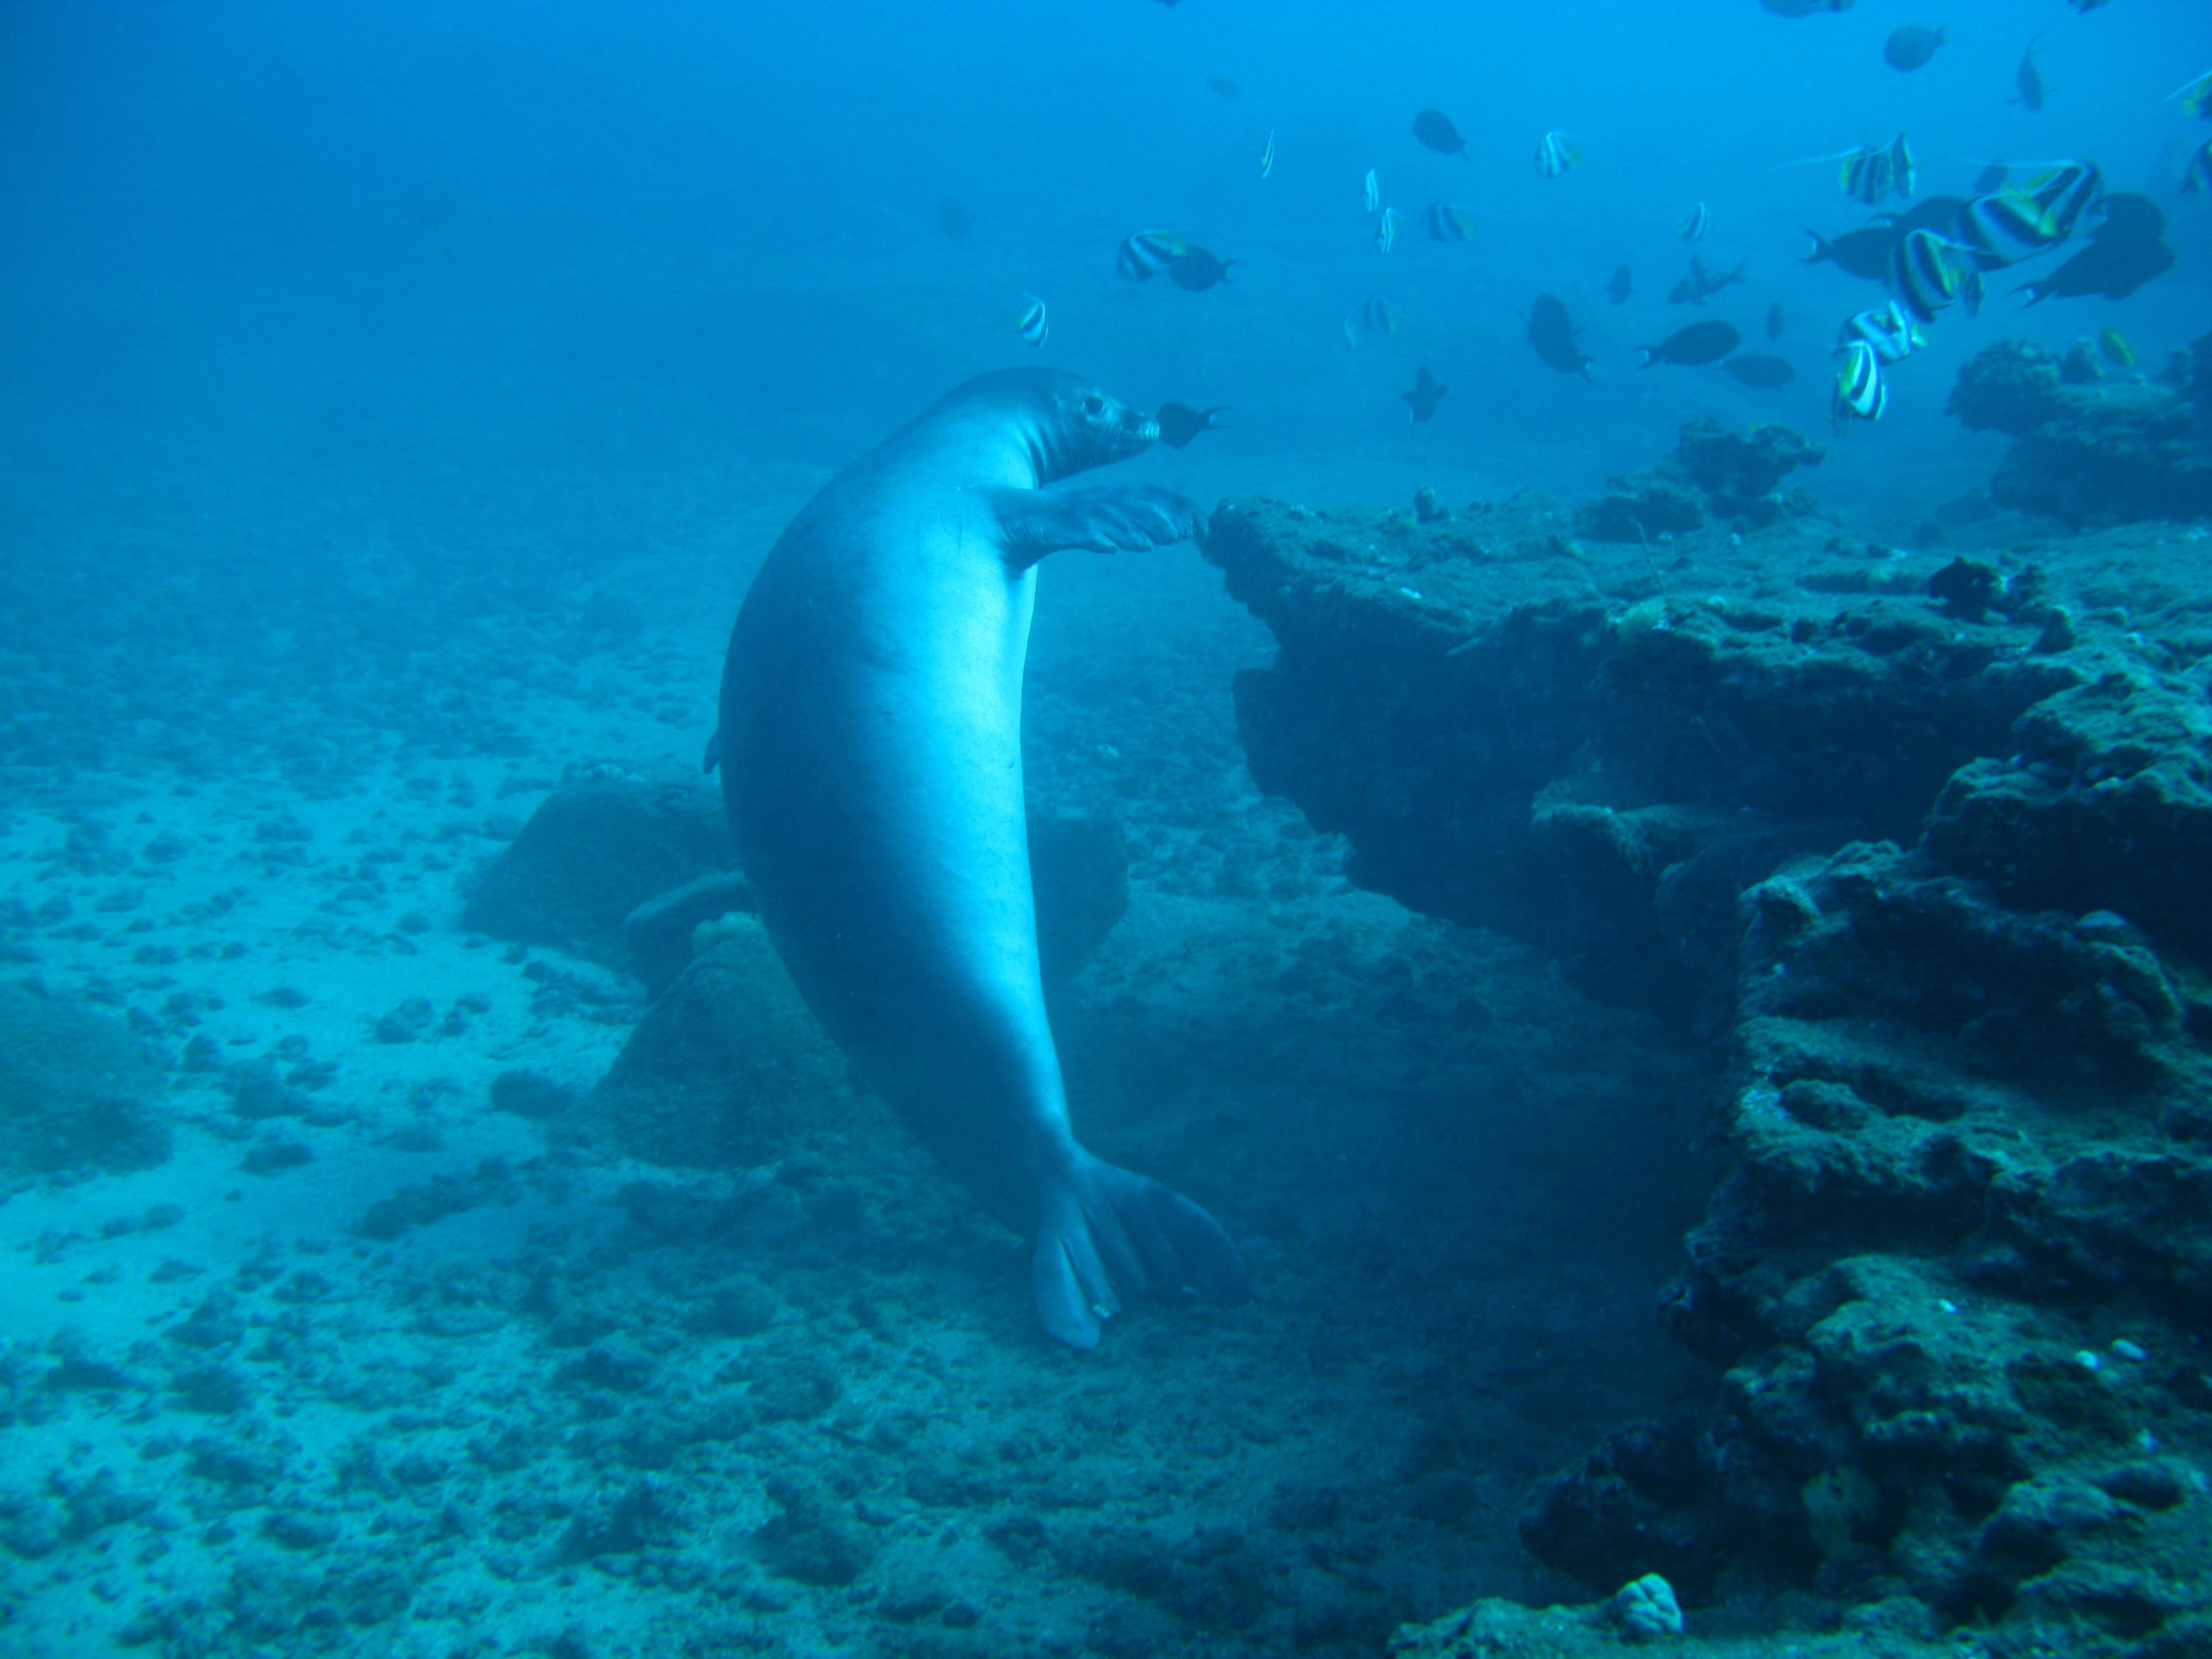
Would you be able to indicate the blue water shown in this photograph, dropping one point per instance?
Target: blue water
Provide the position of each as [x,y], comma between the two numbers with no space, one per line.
[394,400]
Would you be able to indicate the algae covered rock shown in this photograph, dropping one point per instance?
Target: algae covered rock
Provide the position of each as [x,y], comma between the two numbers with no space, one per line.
[76,1092]
[1732,476]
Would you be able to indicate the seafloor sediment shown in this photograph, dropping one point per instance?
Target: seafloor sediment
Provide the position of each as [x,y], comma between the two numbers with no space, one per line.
[1916,836]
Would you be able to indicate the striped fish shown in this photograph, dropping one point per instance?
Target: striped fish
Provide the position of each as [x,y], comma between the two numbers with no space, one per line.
[2196,97]
[1692,227]
[1903,166]
[1928,275]
[1034,324]
[1861,392]
[1556,153]
[1447,222]
[1374,196]
[2006,226]
[2066,192]
[1268,157]
[1867,174]
[1372,315]
[1145,253]
[1893,336]
[2196,177]
[1386,229]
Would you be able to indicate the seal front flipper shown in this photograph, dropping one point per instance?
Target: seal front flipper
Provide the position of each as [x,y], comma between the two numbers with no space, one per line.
[1102,1229]
[1110,518]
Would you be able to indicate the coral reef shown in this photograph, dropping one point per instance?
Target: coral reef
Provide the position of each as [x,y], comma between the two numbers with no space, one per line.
[1729,475]
[1919,842]
[2090,451]
[76,1092]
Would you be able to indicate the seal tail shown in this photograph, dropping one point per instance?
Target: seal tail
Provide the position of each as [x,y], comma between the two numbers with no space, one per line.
[1105,1228]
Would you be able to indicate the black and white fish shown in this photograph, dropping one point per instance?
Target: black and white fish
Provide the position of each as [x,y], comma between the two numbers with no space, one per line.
[1931,273]
[2196,176]
[1447,221]
[1373,193]
[1861,392]
[1372,315]
[1035,325]
[1386,229]
[1143,254]
[1694,224]
[1556,153]
[1268,157]
[1867,174]
[1892,334]
[1428,392]
[1903,166]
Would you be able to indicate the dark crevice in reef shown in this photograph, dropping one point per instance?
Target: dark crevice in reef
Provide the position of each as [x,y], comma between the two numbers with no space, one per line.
[1920,841]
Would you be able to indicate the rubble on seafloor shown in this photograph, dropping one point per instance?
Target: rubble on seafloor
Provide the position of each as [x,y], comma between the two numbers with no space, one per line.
[1918,842]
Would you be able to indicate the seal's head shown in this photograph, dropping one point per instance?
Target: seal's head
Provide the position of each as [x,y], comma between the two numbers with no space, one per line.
[1070,424]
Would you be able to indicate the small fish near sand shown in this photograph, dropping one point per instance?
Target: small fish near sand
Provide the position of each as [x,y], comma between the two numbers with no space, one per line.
[1435,131]
[1697,344]
[1179,422]
[1428,392]
[2114,344]
[1621,286]
[1556,153]
[1197,270]
[1034,324]
[1909,47]
[1552,331]
[1447,221]
[1756,369]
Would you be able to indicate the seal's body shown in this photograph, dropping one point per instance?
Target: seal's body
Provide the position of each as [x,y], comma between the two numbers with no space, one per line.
[870,753]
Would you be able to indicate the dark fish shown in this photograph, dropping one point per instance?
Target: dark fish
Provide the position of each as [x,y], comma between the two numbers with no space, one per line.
[1760,370]
[2128,216]
[954,219]
[2029,79]
[1620,286]
[1936,213]
[1225,86]
[1551,332]
[2196,176]
[1434,129]
[1701,284]
[1804,8]
[2085,7]
[1863,252]
[1428,392]
[1911,45]
[1700,343]
[1991,179]
[1179,422]
[1774,321]
[2114,269]
[1198,270]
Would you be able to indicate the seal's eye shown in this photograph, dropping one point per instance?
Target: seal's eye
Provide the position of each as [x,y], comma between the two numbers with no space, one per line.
[1094,404]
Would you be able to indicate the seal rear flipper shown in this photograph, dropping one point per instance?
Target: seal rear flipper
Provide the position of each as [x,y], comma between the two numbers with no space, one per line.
[1108,518]
[1107,1227]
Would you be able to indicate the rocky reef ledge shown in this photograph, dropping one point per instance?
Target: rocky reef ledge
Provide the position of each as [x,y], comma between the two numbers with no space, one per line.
[1922,843]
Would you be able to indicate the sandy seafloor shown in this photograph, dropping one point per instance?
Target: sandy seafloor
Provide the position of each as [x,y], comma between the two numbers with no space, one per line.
[235,1424]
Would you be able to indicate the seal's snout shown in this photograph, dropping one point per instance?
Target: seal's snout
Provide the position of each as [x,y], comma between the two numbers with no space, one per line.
[1140,428]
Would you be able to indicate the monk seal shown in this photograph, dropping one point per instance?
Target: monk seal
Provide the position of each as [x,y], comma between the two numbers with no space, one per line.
[871,769]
